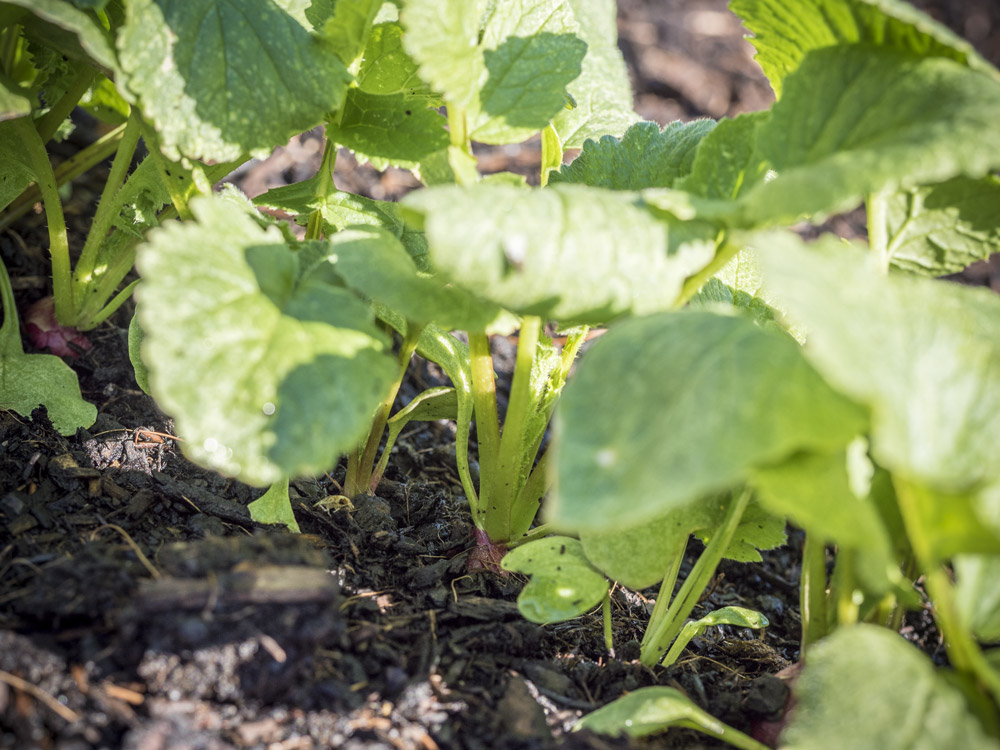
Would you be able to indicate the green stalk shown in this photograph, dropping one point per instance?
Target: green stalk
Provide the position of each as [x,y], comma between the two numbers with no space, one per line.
[507,481]
[406,350]
[49,124]
[179,197]
[108,207]
[484,400]
[842,588]
[525,505]
[963,651]
[662,632]
[68,170]
[609,636]
[458,128]
[314,228]
[878,220]
[539,532]
[812,592]
[664,595]
[62,277]
[552,153]
[10,333]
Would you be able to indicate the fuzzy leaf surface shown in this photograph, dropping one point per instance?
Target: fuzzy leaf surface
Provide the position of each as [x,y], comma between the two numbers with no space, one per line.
[220,78]
[644,157]
[922,354]
[941,229]
[785,30]
[855,120]
[242,353]
[689,403]
[563,583]
[905,703]
[386,67]
[603,93]
[530,246]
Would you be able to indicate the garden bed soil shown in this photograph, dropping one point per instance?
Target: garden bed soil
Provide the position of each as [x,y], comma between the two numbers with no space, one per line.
[142,608]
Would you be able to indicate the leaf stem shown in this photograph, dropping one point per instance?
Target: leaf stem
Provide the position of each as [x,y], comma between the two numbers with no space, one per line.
[484,399]
[812,592]
[963,651]
[108,205]
[10,333]
[538,532]
[878,237]
[68,170]
[62,277]
[57,114]
[552,153]
[509,478]
[724,253]
[609,636]
[314,229]
[661,633]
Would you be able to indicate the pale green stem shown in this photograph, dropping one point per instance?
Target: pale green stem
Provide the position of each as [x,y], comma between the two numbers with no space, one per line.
[458,128]
[10,334]
[484,398]
[552,153]
[963,651]
[724,253]
[108,207]
[62,276]
[507,482]
[68,170]
[314,229]
[525,505]
[665,595]
[812,592]
[609,636]
[539,532]
[49,124]
[662,633]
[842,587]
[878,237]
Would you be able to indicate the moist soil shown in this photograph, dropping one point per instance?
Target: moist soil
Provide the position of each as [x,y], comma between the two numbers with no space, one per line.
[142,608]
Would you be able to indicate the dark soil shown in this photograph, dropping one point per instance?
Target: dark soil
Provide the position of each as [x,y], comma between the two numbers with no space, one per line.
[141,608]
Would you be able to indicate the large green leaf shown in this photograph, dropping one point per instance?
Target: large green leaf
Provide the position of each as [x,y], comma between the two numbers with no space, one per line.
[866,688]
[640,555]
[563,583]
[267,376]
[568,252]
[531,53]
[785,30]
[28,381]
[16,173]
[508,67]
[374,263]
[386,68]
[71,31]
[389,130]
[602,94]
[645,157]
[856,120]
[922,354]
[941,229]
[220,78]
[669,408]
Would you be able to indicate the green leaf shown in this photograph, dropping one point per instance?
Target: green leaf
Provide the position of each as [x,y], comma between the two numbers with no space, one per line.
[374,263]
[14,101]
[639,556]
[135,337]
[602,94]
[563,583]
[28,381]
[698,400]
[16,173]
[655,709]
[442,36]
[567,252]
[857,120]
[389,130]
[348,27]
[194,65]
[977,595]
[274,506]
[386,68]
[941,229]
[73,32]
[645,157]
[726,163]
[105,102]
[785,30]
[904,702]
[815,491]
[739,617]
[921,353]
[340,210]
[242,353]
[531,53]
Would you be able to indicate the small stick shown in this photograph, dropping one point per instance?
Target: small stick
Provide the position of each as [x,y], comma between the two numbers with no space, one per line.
[26,687]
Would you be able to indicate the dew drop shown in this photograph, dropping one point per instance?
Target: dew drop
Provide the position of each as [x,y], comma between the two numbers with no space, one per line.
[269,408]
[211,445]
